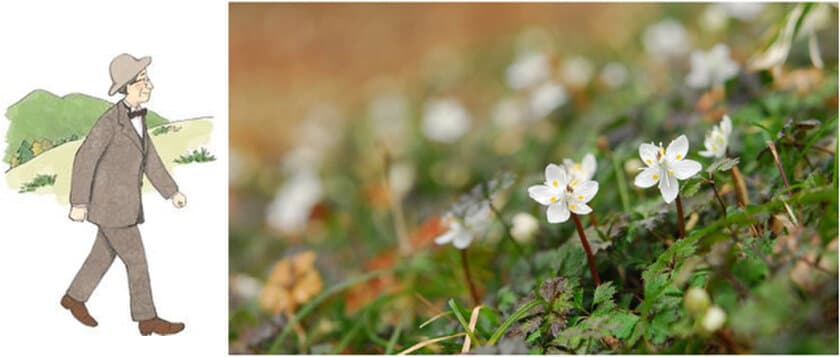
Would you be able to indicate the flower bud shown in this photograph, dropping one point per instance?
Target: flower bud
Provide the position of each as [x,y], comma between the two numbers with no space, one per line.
[696,300]
[714,319]
[524,228]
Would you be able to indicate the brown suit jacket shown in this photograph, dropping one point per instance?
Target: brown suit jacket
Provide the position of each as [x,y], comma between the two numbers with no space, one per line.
[108,171]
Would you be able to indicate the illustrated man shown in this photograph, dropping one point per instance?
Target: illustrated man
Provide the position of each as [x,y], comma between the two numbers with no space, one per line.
[106,188]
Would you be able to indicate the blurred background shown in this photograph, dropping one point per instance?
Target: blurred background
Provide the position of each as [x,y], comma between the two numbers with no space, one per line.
[355,127]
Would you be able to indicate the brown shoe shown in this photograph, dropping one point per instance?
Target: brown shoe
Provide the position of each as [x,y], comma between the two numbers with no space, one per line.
[159,326]
[79,311]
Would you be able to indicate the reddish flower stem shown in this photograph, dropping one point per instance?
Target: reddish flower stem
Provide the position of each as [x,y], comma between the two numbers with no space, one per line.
[466,266]
[681,216]
[585,243]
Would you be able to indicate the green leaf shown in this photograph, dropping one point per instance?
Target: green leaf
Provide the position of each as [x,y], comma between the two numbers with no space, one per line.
[513,318]
[691,188]
[722,164]
[457,310]
[603,292]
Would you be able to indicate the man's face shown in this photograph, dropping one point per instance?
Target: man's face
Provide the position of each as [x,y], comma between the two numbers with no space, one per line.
[141,90]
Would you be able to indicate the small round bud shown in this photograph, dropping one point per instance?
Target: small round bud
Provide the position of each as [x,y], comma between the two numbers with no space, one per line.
[696,300]
[714,319]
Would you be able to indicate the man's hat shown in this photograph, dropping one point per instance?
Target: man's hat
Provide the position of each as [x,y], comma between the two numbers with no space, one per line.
[125,68]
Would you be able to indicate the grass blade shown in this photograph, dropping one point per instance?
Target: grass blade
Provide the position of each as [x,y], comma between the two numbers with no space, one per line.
[463,321]
[429,342]
[513,318]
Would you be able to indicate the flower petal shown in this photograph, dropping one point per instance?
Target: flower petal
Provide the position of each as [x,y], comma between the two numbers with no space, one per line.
[462,240]
[590,165]
[579,208]
[677,149]
[585,191]
[542,194]
[557,213]
[684,169]
[726,125]
[648,153]
[555,173]
[446,237]
[669,187]
[648,177]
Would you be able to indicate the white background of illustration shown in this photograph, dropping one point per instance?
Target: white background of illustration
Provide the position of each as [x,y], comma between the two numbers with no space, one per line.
[66,47]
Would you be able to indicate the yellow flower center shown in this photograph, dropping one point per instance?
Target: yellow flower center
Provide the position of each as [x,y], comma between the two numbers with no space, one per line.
[679,156]
[574,182]
[571,206]
[656,176]
[580,197]
[670,172]
[553,199]
[649,161]
[554,183]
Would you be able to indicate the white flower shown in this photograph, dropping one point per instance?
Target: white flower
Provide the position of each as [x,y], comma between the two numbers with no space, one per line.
[445,120]
[529,69]
[462,231]
[508,113]
[714,319]
[562,193]
[717,140]
[577,71]
[614,74]
[711,68]
[524,227]
[665,39]
[245,287]
[665,166]
[548,97]
[714,18]
[582,171]
[744,11]
[289,212]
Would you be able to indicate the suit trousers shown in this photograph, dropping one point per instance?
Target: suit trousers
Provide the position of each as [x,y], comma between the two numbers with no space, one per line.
[126,243]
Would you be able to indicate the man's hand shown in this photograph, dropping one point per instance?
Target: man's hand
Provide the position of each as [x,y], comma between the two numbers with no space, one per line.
[78,213]
[179,200]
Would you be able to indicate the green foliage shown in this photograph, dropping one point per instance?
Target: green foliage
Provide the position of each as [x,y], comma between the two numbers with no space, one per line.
[196,156]
[37,182]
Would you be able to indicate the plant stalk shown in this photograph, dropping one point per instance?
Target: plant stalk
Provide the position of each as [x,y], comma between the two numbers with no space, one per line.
[589,257]
[465,264]
[681,216]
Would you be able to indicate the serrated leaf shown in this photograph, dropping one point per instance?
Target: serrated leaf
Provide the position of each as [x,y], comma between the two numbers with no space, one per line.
[722,164]
[603,292]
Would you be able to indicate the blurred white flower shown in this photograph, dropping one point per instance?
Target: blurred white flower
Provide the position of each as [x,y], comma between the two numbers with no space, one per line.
[696,300]
[245,287]
[315,137]
[577,71]
[714,319]
[445,120]
[583,170]
[508,112]
[462,230]
[290,210]
[525,226]
[401,178]
[665,166]
[562,194]
[717,139]
[744,11]
[614,74]
[665,39]
[546,98]
[711,68]
[714,18]
[528,69]
[388,115]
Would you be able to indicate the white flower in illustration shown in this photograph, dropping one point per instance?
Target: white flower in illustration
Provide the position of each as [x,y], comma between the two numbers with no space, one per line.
[463,230]
[667,38]
[714,319]
[290,210]
[711,68]
[546,98]
[563,194]
[527,70]
[717,139]
[445,120]
[524,227]
[583,170]
[614,74]
[666,166]
[577,71]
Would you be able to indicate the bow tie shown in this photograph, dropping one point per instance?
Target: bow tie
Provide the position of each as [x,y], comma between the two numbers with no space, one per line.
[137,113]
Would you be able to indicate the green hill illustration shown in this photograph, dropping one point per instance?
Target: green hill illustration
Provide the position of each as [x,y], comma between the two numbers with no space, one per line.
[46,130]
[42,120]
